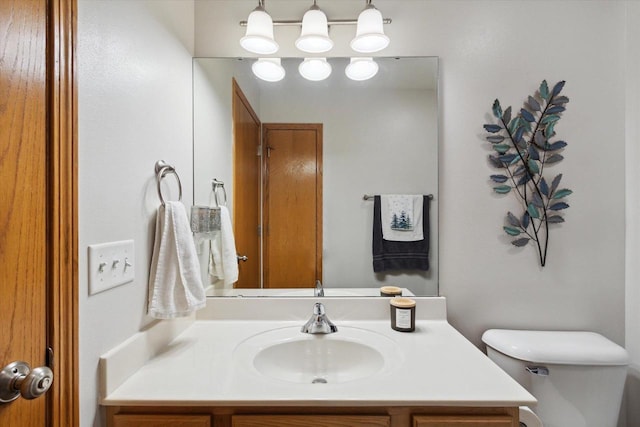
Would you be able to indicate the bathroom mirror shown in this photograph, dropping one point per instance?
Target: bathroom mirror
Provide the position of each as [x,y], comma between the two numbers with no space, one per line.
[372,137]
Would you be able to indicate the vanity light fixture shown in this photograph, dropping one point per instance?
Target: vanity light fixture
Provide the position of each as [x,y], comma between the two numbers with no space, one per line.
[361,69]
[315,69]
[370,35]
[314,36]
[259,35]
[268,69]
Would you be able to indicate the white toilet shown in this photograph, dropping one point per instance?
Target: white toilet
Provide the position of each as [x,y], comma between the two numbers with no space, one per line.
[577,377]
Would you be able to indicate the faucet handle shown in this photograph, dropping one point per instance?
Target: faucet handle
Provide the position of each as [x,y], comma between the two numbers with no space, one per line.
[318,309]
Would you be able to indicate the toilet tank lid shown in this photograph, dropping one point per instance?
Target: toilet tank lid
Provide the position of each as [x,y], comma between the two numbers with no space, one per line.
[557,347]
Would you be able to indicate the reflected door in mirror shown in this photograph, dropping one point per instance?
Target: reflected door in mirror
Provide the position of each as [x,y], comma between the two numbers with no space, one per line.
[293,205]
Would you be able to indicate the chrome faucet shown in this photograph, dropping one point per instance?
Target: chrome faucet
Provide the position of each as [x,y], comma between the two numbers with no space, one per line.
[319,323]
[319,290]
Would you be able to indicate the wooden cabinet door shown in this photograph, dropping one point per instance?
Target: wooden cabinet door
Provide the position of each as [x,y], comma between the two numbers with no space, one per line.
[310,421]
[161,421]
[464,421]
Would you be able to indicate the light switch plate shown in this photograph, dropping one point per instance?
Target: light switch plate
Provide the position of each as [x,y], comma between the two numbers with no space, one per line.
[110,265]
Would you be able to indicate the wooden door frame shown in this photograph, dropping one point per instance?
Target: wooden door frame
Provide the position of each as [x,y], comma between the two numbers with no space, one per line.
[318,127]
[62,212]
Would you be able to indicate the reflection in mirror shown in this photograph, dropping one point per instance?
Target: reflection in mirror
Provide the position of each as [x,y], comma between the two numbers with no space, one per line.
[296,158]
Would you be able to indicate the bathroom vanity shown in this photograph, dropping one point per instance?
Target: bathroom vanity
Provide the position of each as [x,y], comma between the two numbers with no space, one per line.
[244,363]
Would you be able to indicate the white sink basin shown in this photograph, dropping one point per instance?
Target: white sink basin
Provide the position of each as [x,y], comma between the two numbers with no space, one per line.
[351,354]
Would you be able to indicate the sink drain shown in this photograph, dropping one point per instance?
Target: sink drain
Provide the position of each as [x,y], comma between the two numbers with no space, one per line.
[319,381]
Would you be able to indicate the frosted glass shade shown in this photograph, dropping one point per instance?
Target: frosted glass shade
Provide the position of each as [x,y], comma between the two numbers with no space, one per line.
[268,69]
[314,36]
[370,35]
[360,69]
[259,36]
[315,69]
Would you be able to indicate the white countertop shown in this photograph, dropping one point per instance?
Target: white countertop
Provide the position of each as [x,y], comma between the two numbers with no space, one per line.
[198,368]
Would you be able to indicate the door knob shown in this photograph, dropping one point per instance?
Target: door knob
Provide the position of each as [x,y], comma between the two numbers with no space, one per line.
[242,258]
[17,378]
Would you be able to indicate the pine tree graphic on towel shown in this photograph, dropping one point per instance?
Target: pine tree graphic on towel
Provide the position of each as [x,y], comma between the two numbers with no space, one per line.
[401,210]
[402,222]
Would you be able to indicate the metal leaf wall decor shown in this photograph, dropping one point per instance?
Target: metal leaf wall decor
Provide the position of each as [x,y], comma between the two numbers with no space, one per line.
[525,148]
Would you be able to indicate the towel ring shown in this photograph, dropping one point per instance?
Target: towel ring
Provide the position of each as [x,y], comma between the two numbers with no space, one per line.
[163,169]
[215,184]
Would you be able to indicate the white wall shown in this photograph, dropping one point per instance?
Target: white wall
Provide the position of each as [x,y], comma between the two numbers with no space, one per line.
[500,49]
[633,213]
[134,98]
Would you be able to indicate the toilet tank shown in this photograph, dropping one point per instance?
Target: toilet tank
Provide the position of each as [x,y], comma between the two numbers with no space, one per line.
[577,377]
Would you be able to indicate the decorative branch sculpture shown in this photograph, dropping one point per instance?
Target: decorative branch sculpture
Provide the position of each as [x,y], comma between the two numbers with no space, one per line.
[524,148]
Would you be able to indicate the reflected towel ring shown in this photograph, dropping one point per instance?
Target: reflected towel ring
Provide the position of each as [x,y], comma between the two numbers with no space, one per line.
[215,184]
[163,169]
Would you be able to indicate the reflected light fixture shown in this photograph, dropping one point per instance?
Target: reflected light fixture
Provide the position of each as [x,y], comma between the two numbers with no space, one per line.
[361,69]
[314,36]
[259,36]
[370,35]
[268,69]
[315,69]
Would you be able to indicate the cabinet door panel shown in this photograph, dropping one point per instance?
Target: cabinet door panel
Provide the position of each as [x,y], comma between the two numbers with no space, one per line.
[161,421]
[310,421]
[464,421]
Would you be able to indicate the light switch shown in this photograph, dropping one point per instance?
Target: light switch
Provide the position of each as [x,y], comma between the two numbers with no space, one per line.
[110,265]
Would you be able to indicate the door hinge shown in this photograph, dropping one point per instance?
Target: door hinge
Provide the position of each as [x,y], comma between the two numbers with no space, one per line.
[259,230]
[49,361]
[259,153]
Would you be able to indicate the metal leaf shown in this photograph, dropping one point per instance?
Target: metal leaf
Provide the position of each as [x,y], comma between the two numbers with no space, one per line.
[520,242]
[495,162]
[533,166]
[537,200]
[556,146]
[544,188]
[533,104]
[527,115]
[562,193]
[499,178]
[544,90]
[539,140]
[555,219]
[524,179]
[526,219]
[518,135]
[497,110]
[555,183]
[519,170]
[502,189]
[513,220]
[506,116]
[550,119]
[507,158]
[555,158]
[533,153]
[556,109]
[557,88]
[533,211]
[512,231]
[558,206]
[514,125]
[558,100]
[494,139]
[492,128]
[548,131]
[501,148]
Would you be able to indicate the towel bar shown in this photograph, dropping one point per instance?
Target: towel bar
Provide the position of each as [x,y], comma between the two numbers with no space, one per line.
[162,169]
[368,197]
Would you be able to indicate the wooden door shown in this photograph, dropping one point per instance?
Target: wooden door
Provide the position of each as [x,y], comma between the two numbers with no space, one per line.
[23,263]
[292,205]
[38,224]
[246,188]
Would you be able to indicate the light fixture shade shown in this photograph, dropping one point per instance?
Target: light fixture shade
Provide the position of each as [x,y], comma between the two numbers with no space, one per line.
[315,69]
[268,69]
[360,69]
[370,35]
[314,36]
[259,36]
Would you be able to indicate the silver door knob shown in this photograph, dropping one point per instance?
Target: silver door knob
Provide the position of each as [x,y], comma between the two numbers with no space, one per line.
[243,258]
[17,378]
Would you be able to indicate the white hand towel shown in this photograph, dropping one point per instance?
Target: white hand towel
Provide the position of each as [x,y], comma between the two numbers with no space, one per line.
[223,258]
[175,284]
[396,204]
